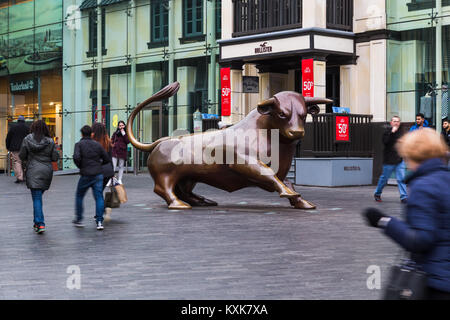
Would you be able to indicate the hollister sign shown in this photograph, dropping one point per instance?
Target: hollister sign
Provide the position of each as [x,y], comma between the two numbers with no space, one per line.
[263,48]
[25,85]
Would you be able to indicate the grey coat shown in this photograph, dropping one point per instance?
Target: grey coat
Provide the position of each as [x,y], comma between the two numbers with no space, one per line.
[39,157]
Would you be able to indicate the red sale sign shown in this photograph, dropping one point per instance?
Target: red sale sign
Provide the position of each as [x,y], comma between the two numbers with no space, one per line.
[308,78]
[225,84]
[342,129]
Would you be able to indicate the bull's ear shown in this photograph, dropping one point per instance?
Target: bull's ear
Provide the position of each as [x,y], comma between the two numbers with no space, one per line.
[314,109]
[266,106]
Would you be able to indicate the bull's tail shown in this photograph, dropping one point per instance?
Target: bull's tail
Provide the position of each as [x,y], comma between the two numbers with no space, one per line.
[164,93]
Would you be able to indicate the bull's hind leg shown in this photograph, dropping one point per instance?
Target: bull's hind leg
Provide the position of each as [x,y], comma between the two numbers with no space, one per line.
[184,191]
[260,173]
[165,188]
[299,202]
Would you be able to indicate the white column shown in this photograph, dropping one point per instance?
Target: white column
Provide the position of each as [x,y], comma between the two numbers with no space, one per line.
[378,52]
[314,14]
[320,80]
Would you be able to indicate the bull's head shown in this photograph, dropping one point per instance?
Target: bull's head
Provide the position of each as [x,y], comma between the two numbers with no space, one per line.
[288,111]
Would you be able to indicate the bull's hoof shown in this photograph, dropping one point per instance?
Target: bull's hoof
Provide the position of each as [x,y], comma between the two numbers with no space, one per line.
[179,205]
[207,203]
[303,204]
[287,193]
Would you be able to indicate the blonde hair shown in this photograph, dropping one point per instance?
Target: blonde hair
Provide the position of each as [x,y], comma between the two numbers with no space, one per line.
[421,145]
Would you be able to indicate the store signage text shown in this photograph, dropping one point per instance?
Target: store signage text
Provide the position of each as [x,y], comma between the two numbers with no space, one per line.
[225,84]
[263,48]
[308,78]
[25,85]
[342,129]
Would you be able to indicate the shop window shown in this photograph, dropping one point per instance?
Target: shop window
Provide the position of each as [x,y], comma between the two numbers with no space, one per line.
[193,20]
[415,5]
[159,24]
[93,33]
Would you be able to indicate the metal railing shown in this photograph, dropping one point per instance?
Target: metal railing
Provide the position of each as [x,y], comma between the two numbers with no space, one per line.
[340,14]
[261,16]
[320,137]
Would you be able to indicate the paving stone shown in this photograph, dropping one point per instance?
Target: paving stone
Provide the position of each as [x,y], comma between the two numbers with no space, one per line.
[253,245]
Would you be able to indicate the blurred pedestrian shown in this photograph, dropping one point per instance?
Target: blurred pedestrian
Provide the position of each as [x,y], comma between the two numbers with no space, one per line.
[119,151]
[392,161]
[426,231]
[14,140]
[38,151]
[100,135]
[89,156]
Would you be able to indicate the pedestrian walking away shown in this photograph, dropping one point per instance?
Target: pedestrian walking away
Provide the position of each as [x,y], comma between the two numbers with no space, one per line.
[14,140]
[38,151]
[425,233]
[392,162]
[89,156]
[100,135]
[119,152]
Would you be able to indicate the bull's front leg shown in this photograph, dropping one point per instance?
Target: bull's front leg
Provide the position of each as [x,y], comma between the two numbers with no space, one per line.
[261,173]
[299,202]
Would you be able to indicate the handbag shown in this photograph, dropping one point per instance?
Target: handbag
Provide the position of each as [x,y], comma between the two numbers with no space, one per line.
[112,198]
[121,193]
[407,281]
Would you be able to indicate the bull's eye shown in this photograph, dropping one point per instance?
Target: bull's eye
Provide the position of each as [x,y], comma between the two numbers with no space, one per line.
[282,115]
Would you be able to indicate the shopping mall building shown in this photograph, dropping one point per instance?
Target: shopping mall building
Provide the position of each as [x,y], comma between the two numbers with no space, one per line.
[74,62]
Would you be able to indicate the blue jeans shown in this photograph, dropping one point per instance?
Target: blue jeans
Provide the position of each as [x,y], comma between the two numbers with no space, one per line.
[399,174]
[96,183]
[36,195]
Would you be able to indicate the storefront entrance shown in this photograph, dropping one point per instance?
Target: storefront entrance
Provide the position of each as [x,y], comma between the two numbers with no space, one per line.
[148,127]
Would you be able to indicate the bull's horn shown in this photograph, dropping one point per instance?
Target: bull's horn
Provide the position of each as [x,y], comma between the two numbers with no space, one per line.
[265,107]
[164,93]
[309,101]
[267,102]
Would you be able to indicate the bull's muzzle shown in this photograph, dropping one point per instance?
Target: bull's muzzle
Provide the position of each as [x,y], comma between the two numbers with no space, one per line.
[296,134]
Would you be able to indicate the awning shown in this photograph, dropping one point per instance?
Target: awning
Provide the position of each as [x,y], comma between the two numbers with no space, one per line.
[88,4]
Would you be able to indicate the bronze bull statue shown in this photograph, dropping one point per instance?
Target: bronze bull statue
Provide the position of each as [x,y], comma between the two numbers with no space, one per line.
[176,167]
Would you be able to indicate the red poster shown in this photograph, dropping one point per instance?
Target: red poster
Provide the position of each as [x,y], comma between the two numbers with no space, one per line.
[342,129]
[308,78]
[225,84]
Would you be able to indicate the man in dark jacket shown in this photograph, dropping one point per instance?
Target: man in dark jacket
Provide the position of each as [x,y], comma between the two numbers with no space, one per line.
[14,140]
[392,161]
[89,156]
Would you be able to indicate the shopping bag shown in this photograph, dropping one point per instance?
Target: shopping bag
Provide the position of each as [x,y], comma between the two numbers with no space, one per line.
[121,193]
[407,282]
[112,198]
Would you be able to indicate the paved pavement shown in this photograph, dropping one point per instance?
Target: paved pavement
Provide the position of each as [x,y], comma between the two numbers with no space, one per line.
[252,246]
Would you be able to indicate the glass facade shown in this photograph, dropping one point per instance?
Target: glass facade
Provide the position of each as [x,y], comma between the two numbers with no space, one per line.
[418,59]
[31,41]
[51,68]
